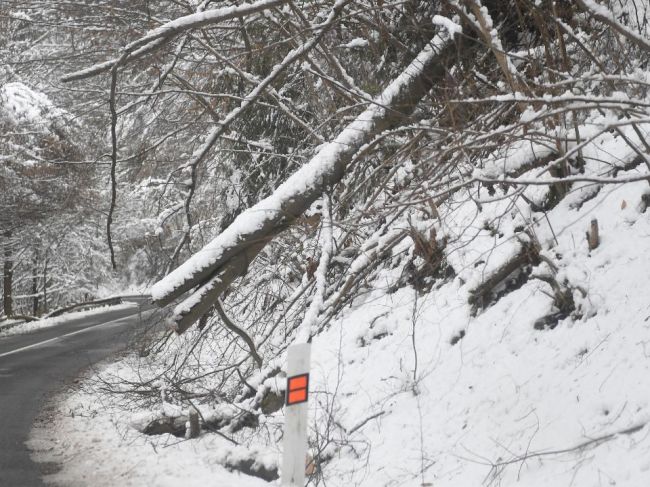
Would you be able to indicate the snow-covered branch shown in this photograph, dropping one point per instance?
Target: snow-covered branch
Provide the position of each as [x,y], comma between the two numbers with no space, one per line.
[605,15]
[163,34]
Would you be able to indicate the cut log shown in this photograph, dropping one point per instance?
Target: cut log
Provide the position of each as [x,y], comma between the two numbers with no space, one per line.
[250,466]
[271,402]
[645,202]
[563,303]
[167,425]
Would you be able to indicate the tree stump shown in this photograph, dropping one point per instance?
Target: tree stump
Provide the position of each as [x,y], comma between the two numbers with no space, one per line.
[593,238]
[194,426]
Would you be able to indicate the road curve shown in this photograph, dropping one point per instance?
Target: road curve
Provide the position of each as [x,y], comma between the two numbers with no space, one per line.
[35,364]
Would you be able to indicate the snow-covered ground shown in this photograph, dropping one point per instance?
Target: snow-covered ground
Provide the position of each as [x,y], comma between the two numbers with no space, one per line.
[96,446]
[413,390]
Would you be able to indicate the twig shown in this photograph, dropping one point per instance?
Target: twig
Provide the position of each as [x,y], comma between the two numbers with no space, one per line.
[365,421]
[581,446]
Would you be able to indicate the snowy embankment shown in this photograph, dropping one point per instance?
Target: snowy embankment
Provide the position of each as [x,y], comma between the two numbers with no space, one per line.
[16,328]
[425,389]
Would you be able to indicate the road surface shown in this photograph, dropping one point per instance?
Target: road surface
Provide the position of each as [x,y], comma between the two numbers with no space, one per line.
[36,364]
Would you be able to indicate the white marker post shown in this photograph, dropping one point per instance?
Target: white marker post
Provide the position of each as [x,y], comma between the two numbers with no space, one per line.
[295,426]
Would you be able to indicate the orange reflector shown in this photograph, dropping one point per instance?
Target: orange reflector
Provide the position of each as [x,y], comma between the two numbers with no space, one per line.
[299,382]
[297,389]
[297,396]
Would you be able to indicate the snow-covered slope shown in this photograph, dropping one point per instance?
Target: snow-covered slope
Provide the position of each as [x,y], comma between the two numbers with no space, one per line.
[507,403]
[414,389]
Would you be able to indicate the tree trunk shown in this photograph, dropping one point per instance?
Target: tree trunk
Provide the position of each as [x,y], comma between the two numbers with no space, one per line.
[35,283]
[45,308]
[8,275]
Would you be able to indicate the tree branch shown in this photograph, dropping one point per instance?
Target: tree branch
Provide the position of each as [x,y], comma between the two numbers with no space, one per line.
[604,14]
[234,328]
[165,33]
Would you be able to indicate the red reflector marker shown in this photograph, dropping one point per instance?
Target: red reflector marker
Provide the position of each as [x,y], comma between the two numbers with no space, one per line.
[297,389]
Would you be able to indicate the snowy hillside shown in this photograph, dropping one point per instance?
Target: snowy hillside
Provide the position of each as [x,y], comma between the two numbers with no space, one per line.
[416,389]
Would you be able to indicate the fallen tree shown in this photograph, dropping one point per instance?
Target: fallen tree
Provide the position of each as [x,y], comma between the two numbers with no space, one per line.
[227,257]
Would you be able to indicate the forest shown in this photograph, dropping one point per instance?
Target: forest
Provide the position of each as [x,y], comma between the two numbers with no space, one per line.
[447,198]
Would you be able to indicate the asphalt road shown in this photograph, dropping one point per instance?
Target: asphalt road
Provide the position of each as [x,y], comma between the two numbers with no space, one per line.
[36,364]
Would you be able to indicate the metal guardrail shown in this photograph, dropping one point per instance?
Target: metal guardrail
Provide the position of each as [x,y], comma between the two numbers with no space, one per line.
[89,304]
[112,301]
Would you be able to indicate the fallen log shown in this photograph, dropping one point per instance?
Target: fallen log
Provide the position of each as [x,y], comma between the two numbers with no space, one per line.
[510,276]
[227,257]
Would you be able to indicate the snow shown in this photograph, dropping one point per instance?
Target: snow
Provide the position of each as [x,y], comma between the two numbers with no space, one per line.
[504,389]
[21,104]
[417,388]
[356,42]
[199,19]
[114,449]
[599,9]
[21,15]
[160,462]
[606,14]
[452,27]
[513,157]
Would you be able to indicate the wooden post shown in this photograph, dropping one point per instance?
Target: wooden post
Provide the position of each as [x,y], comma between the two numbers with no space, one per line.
[295,426]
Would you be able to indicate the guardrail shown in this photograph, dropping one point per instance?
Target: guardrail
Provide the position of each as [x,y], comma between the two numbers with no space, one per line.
[112,301]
